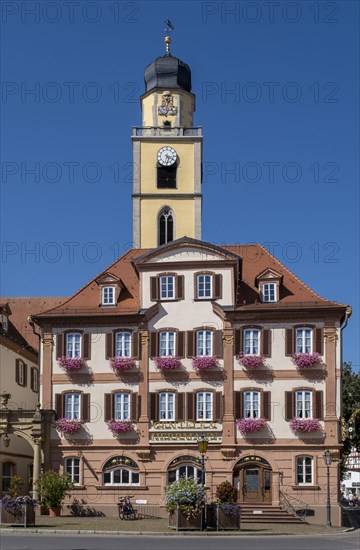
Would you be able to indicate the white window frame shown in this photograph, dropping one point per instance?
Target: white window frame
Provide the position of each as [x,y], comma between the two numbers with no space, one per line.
[108,296]
[252,404]
[35,380]
[167,287]
[300,463]
[72,406]
[269,292]
[304,340]
[112,473]
[252,341]
[179,473]
[73,344]
[21,371]
[122,344]
[122,406]
[204,286]
[304,404]
[167,343]
[166,406]
[204,342]
[72,468]
[204,406]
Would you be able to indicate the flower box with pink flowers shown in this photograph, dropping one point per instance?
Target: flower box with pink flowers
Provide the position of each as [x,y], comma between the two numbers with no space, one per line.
[250,425]
[119,364]
[167,363]
[305,360]
[251,361]
[71,364]
[66,426]
[119,427]
[305,425]
[204,362]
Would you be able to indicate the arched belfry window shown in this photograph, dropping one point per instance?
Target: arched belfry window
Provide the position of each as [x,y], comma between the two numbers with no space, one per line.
[166,226]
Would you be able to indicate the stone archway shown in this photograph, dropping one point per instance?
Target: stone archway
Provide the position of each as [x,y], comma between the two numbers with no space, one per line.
[33,426]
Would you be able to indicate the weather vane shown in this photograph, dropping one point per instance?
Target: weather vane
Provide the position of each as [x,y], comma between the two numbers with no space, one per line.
[169,27]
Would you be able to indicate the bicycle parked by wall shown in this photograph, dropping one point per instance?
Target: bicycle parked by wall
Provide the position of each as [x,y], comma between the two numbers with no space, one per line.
[126,509]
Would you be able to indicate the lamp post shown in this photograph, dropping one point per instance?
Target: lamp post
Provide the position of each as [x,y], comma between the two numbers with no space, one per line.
[6,439]
[202,445]
[327,460]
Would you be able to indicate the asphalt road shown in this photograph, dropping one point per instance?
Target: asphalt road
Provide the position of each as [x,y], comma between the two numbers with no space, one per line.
[341,541]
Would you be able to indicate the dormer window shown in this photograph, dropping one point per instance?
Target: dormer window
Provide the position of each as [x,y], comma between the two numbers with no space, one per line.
[269,282]
[110,289]
[108,296]
[269,292]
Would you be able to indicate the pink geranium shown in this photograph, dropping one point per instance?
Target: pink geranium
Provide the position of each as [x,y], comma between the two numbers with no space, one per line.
[250,425]
[119,427]
[304,360]
[251,361]
[204,362]
[66,426]
[167,363]
[122,363]
[305,425]
[70,363]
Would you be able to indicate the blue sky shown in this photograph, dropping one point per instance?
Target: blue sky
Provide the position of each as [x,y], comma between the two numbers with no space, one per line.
[276,89]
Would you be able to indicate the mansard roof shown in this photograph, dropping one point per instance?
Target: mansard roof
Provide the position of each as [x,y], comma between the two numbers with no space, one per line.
[252,259]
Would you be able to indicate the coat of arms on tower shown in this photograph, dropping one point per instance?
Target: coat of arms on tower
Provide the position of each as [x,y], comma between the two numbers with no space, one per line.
[167,106]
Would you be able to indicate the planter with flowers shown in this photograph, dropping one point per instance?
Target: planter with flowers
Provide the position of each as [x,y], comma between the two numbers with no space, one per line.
[305,425]
[250,425]
[68,427]
[306,360]
[167,363]
[18,510]
[120,364]
[119,427]
[205,362]
[251,361]
[185,501]
[225,512]
[71,364]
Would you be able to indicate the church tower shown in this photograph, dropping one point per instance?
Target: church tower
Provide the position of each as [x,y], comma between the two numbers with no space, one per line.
[167,157]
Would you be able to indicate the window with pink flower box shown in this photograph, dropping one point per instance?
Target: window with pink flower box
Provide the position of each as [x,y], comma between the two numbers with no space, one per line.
[167,342]
[73,405]
[121,405]
[304,339]
[122,343]
[304,403]
[253,340]
[253,403]
[204,341]
[73,343]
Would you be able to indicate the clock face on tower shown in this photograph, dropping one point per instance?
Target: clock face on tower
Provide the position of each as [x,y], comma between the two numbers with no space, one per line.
[166,156]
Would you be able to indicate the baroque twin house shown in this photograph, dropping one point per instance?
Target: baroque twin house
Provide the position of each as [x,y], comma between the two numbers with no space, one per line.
[180,338]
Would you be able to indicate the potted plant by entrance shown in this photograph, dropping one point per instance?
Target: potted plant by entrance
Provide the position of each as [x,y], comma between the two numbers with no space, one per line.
[184,501]
[225,512]
[53,488]
[15,508]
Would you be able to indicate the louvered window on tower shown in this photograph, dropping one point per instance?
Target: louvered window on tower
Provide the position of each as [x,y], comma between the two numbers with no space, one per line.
[166,177]
[166,226]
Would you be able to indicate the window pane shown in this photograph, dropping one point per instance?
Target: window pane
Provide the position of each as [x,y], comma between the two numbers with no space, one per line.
[73,342]
[125,476]
[135,477]
[117,476]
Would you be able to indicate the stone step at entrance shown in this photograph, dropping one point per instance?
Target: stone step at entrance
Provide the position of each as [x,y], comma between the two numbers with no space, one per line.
[265,513]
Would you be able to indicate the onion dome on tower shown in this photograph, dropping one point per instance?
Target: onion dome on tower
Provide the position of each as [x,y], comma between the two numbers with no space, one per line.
[168,72]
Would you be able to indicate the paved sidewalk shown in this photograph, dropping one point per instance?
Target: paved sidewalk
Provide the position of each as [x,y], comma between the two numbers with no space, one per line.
[112,525]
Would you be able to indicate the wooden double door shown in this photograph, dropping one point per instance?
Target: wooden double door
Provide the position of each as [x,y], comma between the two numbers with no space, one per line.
[253,482]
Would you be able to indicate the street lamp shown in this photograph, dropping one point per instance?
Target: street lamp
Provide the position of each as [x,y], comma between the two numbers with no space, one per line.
[327,459]
[6,440]
[202,445]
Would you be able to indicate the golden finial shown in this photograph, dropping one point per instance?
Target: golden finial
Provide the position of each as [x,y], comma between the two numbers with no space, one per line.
[169,27]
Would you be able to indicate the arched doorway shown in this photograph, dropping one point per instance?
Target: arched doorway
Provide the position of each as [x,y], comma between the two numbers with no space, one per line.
[253,480]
